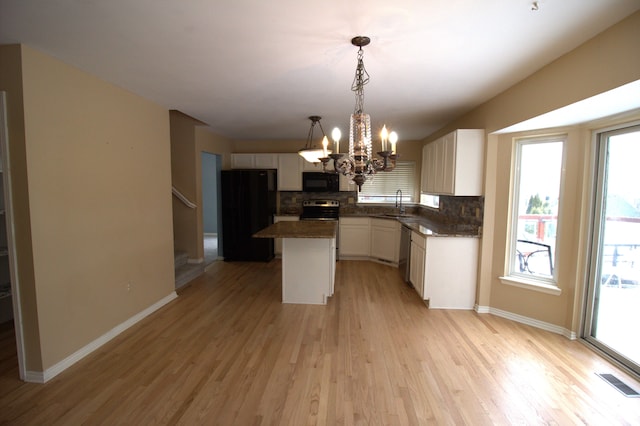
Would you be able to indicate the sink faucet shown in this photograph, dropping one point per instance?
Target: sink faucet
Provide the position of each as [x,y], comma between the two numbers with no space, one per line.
[399,191]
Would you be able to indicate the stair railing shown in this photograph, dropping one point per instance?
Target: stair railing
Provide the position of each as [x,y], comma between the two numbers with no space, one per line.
[180,196]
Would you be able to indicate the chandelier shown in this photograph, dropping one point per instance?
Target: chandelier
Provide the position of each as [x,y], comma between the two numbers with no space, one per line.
[360,164]
[310,153]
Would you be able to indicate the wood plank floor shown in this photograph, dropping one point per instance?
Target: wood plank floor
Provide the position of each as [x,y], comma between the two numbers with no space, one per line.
[228,352]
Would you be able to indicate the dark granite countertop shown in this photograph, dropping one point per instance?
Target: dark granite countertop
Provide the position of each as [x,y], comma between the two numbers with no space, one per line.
[427,227]
[299,229]
[416,223]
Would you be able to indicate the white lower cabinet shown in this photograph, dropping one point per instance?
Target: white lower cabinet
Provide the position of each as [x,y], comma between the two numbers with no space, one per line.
[416,262]
[277,242]
[308,270]
[355,236]
[370,238]
[444,270]
[385,239]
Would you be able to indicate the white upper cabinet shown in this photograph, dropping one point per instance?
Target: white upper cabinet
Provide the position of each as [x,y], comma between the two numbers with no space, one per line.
[254,161]
[453,164]
[290,172]
[449,165]
[266,161]
[424,178]
[243,161]
[289,166]
[311,167]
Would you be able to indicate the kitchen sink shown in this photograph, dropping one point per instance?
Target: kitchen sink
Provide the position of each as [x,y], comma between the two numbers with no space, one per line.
[404,217]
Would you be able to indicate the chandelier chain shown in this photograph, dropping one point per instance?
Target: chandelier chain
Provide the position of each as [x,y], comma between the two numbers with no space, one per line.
[314,120]
[361,78]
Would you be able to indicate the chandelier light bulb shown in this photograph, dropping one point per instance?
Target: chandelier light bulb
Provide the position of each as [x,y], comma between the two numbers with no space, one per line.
[384,135]
[336,134]
[393,138]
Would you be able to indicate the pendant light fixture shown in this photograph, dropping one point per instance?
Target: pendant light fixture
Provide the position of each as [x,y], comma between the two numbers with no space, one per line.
[359,165]
[310,153]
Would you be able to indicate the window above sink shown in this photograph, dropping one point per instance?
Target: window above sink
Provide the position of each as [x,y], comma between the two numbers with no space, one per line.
[381,188]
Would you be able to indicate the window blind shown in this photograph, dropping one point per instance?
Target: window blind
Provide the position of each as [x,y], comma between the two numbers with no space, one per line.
[382,188]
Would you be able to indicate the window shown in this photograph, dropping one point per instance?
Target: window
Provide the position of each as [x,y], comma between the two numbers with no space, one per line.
[535,205]
[613,292]
[382,187]
[430,200]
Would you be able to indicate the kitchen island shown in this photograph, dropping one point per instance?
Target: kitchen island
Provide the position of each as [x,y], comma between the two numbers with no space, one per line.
[308,259]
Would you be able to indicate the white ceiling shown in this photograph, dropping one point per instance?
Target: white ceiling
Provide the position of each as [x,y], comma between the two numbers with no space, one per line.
[256,69]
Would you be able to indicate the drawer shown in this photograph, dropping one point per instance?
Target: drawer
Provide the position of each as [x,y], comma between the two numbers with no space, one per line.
[363,221]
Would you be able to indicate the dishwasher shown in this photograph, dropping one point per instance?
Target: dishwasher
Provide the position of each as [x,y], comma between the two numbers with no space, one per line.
[405,252]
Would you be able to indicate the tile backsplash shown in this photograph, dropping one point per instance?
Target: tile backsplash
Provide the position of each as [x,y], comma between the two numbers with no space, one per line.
[467,210]
[462,212]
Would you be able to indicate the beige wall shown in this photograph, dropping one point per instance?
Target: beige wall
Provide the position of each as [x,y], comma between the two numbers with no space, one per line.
[97,160]
[605,62]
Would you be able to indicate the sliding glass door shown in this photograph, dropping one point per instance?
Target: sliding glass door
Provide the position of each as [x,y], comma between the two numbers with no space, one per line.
[612,319]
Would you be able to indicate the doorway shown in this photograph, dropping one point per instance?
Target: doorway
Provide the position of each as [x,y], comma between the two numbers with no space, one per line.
[614,277]
[211,166]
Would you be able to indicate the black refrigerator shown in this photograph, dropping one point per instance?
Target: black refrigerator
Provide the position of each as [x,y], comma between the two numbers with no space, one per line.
[248,205]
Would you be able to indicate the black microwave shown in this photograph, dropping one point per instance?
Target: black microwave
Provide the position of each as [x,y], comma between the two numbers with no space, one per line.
[320,182]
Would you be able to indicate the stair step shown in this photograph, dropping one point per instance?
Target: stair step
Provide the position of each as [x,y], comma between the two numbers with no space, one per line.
[180,258]
[188,272]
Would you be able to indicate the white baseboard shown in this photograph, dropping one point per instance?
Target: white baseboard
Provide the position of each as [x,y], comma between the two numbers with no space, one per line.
[481,309]
[526,320]
[349,257]
[34,377]
[50,373]
[195,261]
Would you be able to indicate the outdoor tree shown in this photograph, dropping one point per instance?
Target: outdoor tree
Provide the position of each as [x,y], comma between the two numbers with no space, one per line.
[537,206]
